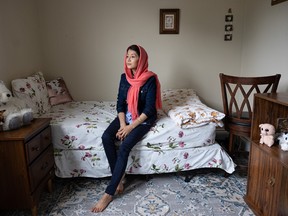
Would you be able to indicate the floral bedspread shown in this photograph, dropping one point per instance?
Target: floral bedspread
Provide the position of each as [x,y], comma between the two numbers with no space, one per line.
[77,128]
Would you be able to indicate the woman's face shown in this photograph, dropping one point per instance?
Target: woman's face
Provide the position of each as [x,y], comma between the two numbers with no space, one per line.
[132,60]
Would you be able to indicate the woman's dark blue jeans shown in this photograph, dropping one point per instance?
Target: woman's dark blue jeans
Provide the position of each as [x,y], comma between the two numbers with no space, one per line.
[118,158]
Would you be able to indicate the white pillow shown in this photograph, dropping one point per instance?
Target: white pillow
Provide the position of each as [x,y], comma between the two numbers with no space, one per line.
[187,110]
[33,91]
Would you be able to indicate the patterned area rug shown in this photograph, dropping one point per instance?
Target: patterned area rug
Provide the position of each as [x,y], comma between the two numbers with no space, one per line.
[207,193]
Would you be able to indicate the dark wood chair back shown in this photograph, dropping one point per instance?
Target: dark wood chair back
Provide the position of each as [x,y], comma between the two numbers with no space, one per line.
[237,96]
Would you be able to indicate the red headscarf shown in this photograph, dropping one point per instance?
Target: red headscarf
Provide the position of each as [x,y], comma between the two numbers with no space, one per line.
[142,74]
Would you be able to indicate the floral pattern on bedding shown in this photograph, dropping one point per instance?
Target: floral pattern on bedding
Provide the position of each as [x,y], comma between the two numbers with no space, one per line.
[187,110]
[80,125]
[70,164]
[33,91]
[58,92]
[68,141]
[77,128]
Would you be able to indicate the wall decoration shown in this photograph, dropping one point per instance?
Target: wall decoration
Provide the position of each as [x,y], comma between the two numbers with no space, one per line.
[228,26]
[169,21]
[229,18]
[228,37]
[273,2]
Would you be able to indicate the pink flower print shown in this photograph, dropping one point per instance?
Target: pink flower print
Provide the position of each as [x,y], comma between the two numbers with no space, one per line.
[215,163]
[180,134]
[68,141]
[181,144]
[187,166]
[82,147]
[87,154]
[186,154]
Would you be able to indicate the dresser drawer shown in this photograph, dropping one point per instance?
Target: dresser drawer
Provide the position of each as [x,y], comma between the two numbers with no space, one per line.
[40,142]
[24,178]
[41,167]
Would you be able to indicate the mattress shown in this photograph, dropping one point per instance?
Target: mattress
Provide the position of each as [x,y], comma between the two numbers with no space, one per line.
[77,128]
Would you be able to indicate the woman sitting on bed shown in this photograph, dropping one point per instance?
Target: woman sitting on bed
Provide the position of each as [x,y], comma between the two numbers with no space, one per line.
[138,99]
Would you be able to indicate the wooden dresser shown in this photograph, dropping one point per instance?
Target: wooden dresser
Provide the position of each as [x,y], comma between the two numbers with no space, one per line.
[267,186]
[26,164]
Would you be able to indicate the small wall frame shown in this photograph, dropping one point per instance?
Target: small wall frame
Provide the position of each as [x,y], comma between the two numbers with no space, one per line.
[274,2]
[228,37]
[229,18]
[169,21]
[228,26]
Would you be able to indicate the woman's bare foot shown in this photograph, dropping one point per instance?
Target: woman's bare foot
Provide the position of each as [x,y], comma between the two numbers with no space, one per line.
[120,187]
[102,203]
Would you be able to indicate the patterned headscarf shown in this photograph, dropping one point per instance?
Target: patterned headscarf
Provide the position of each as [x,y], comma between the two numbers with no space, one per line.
[141,75]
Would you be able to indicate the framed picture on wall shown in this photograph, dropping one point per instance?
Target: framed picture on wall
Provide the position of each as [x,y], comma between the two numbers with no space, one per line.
[273,2]
[228,18]
[169,21]
[228,37]
[228,28]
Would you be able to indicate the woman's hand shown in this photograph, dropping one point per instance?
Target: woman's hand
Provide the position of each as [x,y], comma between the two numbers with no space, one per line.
[124,131]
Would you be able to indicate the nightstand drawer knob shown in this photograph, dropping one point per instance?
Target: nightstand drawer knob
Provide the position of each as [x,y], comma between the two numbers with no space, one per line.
[271,182]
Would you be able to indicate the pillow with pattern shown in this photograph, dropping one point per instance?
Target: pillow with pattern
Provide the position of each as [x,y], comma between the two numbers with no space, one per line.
[187,110]
[58,92]
[33,91]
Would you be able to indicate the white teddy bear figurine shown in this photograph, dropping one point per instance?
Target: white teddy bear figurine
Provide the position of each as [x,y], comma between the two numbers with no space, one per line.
[283,141]
[267,132]
[14,113]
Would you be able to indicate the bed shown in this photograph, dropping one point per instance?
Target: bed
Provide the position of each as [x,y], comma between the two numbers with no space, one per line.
[182,139]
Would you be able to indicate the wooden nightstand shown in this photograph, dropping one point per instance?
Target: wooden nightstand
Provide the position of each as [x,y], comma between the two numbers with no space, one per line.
[26,164]
[267,186]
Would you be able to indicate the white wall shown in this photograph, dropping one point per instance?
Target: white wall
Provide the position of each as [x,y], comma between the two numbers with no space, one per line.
[85,42]
[265,41]
[20,52]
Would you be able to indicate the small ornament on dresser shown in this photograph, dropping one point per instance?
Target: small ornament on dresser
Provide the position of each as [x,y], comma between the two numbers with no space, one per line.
[283,141]
[267,133]
[282,131]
